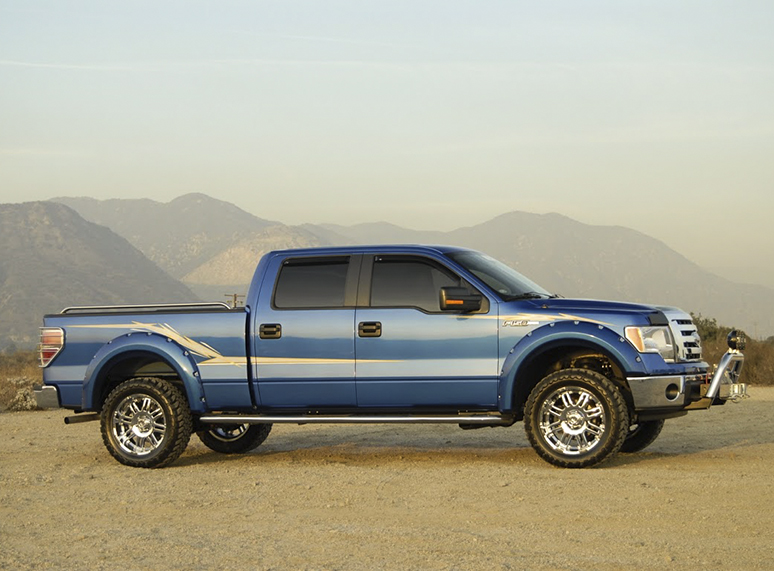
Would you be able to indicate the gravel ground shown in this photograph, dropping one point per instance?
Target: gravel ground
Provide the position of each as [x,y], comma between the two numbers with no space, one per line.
[365,497]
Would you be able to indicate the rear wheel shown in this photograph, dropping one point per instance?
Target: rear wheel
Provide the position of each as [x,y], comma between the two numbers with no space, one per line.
[576,418]
[234,438]
[146,423]
[642,435]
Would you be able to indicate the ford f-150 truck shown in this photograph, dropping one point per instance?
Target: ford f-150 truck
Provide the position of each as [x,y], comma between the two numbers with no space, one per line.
[381,334]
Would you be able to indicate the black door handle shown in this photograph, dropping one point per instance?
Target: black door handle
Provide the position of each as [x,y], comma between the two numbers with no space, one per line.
[369,329]
[270,331]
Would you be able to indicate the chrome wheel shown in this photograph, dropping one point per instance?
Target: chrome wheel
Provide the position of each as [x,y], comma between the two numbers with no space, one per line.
[572,420]
[234,438]
[229,433]
[576,418]
[146,422]
[139,424]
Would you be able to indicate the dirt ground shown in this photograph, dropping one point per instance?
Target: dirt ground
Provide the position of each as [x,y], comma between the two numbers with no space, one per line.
[392,497]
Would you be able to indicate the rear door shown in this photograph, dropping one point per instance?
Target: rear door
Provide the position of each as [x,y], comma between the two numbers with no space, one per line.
[410,354]
[304,353]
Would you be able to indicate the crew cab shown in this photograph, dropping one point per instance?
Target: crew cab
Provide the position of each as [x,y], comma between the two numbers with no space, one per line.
[381,334]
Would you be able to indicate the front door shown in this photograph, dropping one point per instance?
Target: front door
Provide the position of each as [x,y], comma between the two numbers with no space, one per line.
[410,354]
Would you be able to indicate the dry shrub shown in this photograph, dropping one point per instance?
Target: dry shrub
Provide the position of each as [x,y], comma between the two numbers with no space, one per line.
[19,395]
[18,373]
[758,355]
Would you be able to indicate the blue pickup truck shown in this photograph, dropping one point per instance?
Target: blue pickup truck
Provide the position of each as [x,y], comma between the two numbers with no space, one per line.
[381,334]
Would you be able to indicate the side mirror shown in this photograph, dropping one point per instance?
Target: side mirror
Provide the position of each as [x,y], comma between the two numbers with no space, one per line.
[460,299]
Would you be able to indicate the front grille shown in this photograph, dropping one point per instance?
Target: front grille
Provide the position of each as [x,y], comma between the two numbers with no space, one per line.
[686,335]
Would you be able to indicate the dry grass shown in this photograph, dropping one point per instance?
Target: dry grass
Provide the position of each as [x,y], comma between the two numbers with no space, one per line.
[758,360]
[758,356]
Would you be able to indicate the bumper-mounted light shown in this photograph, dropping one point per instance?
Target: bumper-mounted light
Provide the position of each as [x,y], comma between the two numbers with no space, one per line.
[737,340]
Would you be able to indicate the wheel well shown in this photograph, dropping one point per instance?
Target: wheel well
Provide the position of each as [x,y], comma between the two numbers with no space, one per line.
[128,366]
[566,357]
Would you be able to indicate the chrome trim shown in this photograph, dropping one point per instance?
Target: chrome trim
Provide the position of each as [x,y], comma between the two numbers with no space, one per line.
[684,333]
[46,396]
[651,392]
[42,332]
[735,392]
[483,419]
[727,373]
[149,306]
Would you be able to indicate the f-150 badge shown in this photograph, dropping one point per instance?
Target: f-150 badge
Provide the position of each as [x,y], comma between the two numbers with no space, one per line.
[519,323]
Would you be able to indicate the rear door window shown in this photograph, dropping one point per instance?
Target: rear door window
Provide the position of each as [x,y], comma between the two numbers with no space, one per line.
[305,283]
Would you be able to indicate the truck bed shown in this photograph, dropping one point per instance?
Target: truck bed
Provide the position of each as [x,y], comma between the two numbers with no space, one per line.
[216,345]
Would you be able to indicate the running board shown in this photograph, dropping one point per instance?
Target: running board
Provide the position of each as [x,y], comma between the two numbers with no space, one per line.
[479,419]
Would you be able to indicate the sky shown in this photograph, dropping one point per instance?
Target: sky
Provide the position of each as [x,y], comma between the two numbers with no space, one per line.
[429,114]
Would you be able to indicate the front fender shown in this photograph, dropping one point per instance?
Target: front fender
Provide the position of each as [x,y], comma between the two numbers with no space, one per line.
[177,357]
[570,333]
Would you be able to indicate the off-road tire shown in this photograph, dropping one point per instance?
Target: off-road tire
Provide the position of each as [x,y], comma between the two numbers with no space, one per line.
[575,418]
[234,438]
[146,422]
[642,435]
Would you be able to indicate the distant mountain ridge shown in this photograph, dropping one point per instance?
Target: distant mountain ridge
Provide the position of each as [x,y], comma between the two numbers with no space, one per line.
[51,258]
[197,239]
[179,235]
[214,247]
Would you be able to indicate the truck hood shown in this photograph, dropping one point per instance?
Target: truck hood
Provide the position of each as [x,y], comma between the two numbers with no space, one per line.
[586,309]
[612,314]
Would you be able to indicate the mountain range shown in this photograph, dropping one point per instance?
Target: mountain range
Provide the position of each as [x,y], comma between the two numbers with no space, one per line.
[212,247]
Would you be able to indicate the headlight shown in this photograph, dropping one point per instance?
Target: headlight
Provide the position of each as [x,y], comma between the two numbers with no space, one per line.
[652,339]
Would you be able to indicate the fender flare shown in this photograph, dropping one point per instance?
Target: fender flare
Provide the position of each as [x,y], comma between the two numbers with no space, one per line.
[553,335]
[176,356]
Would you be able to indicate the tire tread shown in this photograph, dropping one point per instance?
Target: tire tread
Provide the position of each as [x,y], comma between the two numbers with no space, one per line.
[180,422]
[643,438]
[603,386]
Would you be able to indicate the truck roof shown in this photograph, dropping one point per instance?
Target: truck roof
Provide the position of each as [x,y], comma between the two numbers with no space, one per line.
[373,249]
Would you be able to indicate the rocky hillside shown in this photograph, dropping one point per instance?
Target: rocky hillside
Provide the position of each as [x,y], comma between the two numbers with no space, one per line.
[179,236]
[211,245]
[235,264]
[52,258]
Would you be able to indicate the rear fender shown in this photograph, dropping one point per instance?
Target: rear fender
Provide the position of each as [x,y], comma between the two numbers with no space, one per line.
[138,344]
[596,337]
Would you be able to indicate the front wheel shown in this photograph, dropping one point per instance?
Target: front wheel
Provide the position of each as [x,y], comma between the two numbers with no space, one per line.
[576,418]
[146,423]
[234,438]
[642,435]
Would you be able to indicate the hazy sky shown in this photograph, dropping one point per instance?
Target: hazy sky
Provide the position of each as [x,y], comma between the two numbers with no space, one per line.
[431,114]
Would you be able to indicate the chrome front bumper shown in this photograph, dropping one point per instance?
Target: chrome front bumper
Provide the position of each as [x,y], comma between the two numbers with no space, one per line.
[678,392]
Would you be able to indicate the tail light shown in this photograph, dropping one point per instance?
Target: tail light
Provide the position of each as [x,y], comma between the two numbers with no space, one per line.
[51,343]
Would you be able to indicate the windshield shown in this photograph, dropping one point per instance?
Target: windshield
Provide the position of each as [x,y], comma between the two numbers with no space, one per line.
[505,281]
